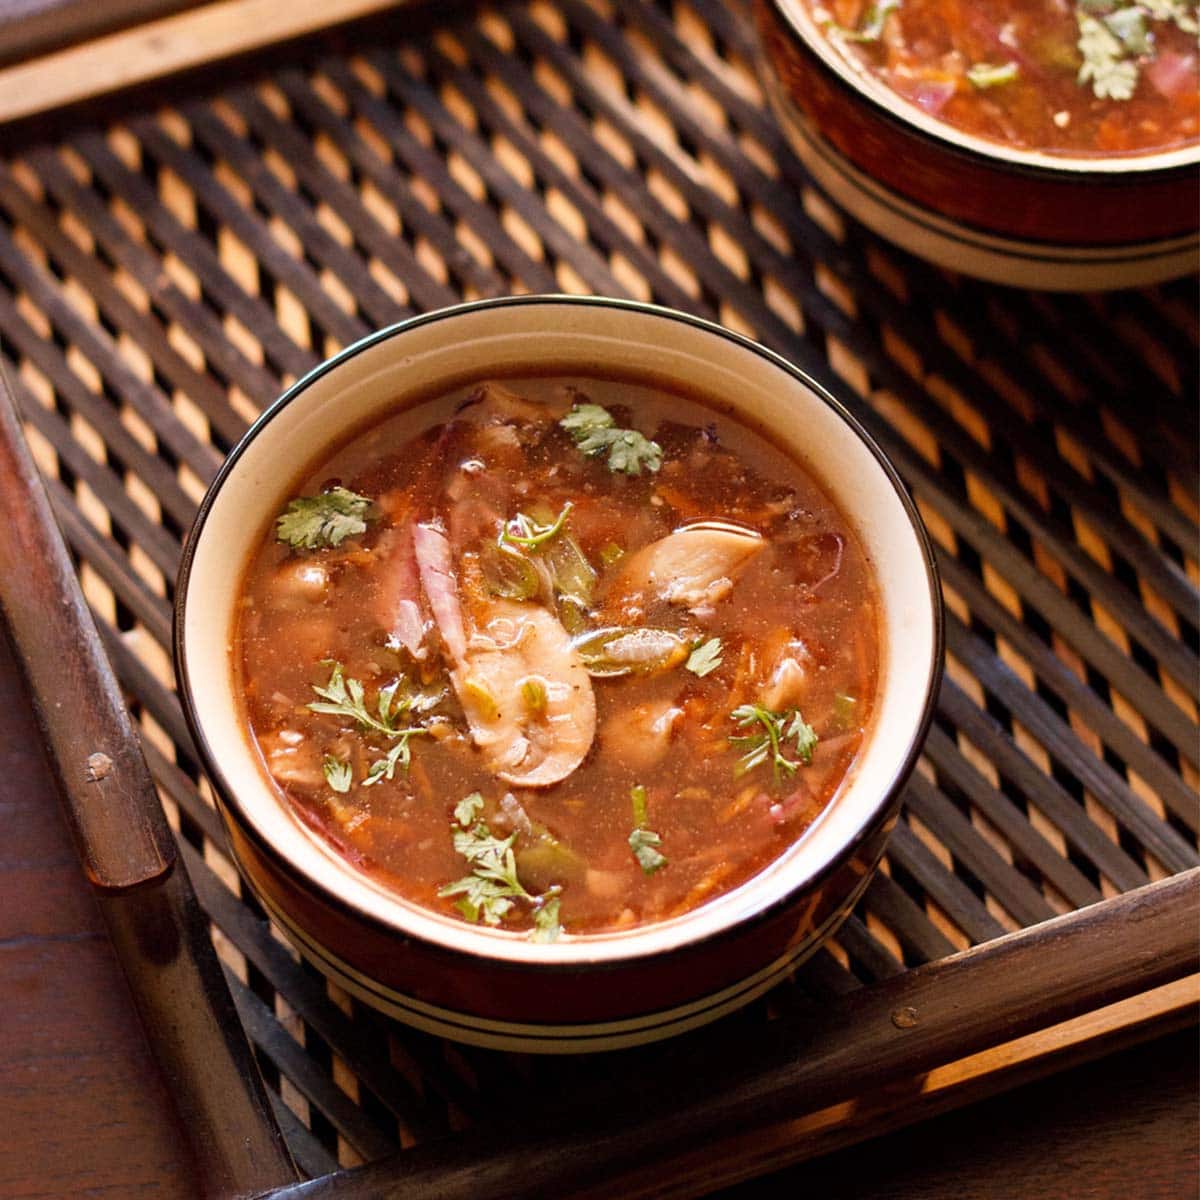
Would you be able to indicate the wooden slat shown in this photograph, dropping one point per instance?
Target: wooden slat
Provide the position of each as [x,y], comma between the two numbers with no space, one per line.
[156,48]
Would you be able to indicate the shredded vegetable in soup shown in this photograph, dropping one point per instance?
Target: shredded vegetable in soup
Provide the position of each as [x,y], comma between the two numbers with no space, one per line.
[1089,77]
[559,656]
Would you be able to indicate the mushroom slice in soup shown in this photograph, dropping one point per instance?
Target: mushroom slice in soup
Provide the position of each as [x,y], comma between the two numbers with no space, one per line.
[693,567]
[527,696]
[522,684]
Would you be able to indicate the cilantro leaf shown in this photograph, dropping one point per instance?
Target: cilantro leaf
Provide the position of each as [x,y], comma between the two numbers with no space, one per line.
[546,925]
[398,755]
[705,657]
[586,420]
[595,432]
[766,743]
[338,774]
[644,843]
[342,697]
[1112,76]
[314,522]
[806,738]
[629,452]
[1128,26]
[467,809]
[492,889]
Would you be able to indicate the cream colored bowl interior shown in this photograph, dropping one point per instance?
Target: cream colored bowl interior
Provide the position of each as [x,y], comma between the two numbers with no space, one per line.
[571,336]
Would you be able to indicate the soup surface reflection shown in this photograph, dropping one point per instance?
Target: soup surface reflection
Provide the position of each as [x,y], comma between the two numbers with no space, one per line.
[559,656]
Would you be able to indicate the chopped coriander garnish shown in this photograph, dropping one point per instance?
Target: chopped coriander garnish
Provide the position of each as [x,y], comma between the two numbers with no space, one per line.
[1112,76]
[1128,26]
[1116,41]
[595,432]
[546,925]
[467,809]
[342,697]
[705,658]
[529,533]
[338,774]
[611,553]
[313,522]
[642,841]
[398,755]
[492,888]
[767,743]
[988,75]
[871,30]
[1183,14]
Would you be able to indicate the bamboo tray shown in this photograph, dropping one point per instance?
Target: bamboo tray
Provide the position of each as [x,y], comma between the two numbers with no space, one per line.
[165,274]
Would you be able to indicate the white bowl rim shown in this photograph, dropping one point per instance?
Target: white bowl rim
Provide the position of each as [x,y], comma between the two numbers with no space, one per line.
[892,104]
[598,950]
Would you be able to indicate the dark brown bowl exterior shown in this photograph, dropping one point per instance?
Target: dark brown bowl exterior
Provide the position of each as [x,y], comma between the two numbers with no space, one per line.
[987,192]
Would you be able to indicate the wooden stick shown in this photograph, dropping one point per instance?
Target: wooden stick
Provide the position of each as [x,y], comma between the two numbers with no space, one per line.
[125,844]
[165,47]
[915,1022]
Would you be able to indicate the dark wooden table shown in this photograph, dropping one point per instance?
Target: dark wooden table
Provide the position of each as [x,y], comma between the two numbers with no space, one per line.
[83,1111]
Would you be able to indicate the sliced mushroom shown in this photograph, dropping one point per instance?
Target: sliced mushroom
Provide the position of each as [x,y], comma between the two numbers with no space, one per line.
[693,567]
[522,685]
[526,695]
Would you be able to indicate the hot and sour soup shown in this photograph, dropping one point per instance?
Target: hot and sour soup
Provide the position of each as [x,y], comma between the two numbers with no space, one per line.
[580,655]
[1091,77]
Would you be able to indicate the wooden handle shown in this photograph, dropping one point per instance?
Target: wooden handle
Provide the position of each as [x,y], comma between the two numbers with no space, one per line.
[115,817]
[159,932]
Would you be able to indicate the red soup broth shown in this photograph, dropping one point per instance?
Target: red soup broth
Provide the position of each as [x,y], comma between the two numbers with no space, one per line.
[569,642]
[1098,78]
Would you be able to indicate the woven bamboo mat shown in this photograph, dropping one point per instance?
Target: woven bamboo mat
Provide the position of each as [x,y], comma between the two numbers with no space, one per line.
[163,277]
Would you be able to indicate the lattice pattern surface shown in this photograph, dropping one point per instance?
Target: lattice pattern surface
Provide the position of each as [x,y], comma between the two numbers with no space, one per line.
[162,278]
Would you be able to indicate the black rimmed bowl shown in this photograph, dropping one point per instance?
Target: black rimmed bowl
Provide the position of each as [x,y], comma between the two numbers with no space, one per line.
[593,991]
[1034,219]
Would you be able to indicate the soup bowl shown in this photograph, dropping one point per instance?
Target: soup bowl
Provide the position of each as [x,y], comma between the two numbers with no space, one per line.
[592,991]
[1035,219]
